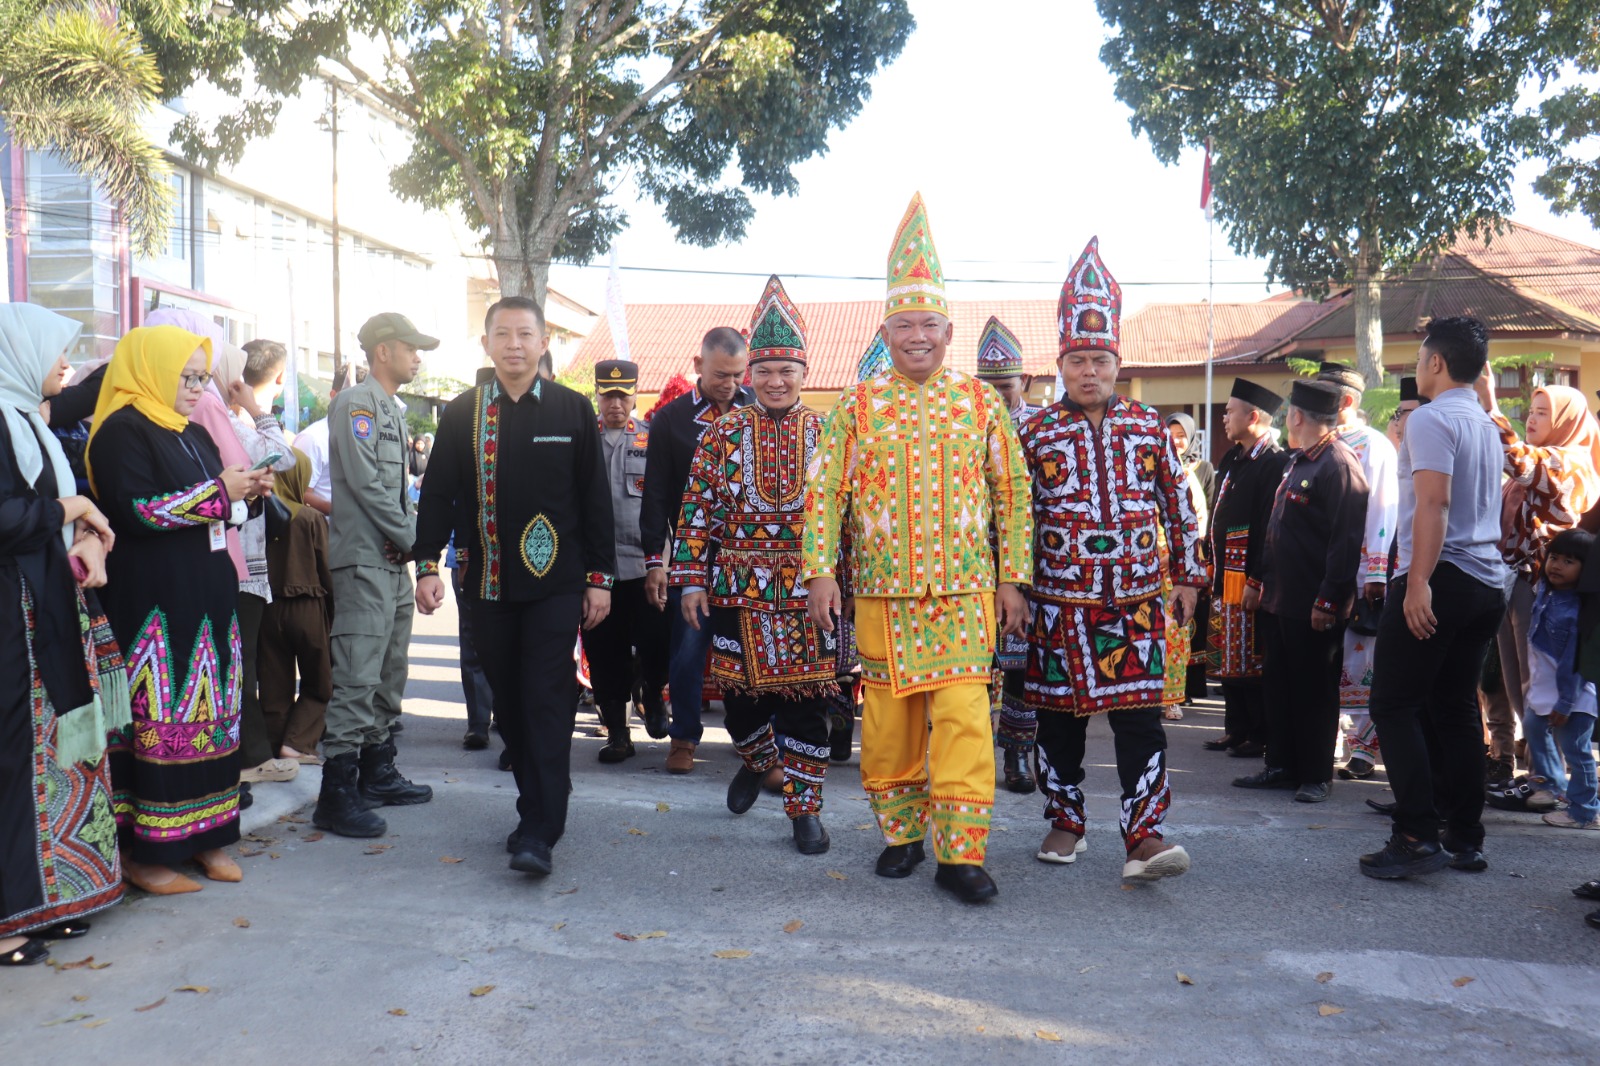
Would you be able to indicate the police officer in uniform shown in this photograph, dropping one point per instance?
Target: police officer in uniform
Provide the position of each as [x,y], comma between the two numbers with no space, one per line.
[633,624]
[370,543]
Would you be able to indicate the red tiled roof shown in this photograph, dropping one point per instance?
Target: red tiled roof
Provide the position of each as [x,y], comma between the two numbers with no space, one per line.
[664,338]
[1175,334]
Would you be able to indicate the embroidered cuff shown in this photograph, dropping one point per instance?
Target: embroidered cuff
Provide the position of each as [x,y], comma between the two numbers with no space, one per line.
[427,568]
[1253,583]
[807,576]
[597,580]
[1321,604]
[652,562]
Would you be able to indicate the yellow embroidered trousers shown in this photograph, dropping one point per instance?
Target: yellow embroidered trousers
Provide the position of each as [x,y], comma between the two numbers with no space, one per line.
[914,777]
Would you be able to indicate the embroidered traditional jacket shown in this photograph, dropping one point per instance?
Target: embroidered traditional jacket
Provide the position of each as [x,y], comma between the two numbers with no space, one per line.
[738,538]
[675,432]
[1247,482]
[1380,464]
[917,473]
[1099,497]
[1319,515]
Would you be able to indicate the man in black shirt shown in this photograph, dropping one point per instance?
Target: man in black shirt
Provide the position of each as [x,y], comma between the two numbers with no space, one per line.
[1308,589]
[675,432]
[517,473]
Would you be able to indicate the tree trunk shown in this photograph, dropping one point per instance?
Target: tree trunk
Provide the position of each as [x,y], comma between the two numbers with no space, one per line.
[1369,316]
[523,270]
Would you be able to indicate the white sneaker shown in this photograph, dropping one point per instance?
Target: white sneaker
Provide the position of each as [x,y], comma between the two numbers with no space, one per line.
[272,770]
[1564,820]
[1169,863]
[1062,860]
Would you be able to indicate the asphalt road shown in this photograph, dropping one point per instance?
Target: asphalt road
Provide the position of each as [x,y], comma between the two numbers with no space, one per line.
[428,949]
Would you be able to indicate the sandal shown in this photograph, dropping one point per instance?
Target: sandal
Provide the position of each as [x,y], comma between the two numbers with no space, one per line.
[1588,890]
[1172,712]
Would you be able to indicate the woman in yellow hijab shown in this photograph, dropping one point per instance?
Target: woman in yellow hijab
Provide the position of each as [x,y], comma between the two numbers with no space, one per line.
[170,594]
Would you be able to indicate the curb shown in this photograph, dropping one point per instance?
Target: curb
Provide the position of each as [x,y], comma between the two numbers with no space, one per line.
[273,799]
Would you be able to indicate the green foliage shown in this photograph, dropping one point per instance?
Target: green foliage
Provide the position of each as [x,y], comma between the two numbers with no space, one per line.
[75,77]
[528,114]
[420,420]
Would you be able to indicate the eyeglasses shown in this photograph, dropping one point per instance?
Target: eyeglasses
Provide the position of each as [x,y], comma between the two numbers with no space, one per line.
[195,381]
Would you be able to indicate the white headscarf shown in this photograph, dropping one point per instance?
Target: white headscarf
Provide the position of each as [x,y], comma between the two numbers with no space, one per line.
[32,340]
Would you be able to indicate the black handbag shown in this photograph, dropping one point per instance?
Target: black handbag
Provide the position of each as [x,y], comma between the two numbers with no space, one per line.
[278,517]
[1364,619]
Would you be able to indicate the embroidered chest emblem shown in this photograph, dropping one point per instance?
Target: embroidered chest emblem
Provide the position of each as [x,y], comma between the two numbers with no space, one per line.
[539,545]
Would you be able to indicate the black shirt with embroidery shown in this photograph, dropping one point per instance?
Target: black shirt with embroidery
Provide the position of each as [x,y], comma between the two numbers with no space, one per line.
[522,484]
[675,432]
[1319,519]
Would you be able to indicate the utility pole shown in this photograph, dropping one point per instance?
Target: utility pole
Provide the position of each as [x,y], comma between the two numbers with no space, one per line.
[338,330]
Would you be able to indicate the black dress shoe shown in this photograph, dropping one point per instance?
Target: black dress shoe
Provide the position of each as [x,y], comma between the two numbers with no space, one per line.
[63,931]
[1222,743]
[969,884]
[1592,919]
[1382,807]
[655,718]
[31,952]
[505,759]
[1248,750]
[1357,768]
[1404,858]
[1018,779]
[1588,890]
[1268,778]
[616,750]
[532,857]
[810,838]
[475,741]
[743,789]
[1313,792]
[898,860]
[397,726]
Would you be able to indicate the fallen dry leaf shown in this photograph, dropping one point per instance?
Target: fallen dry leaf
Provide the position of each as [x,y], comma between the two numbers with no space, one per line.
[150,1006]
[1086,969]
[250,853]
[450,859]
[624,936]
[1326,1009]
[1045,1034]
[79,999]
[483,990]
[67,1020]
[1463,982]
[794,926]
[1316,827]
[399,1012]
[377,850]
[656,935]
[1184,979]
[867,825]
[637,832]
[452,780]
[1324,977]
[567,891]
[95,1025]
[837,876]
[259,839]
[198,989]
[981,1028]
[558,925]
[1127,888]
[242,923]
[79,965]
[273,855]
[312,838]
[293,818]
[98,965]
[731,953]
[663,808]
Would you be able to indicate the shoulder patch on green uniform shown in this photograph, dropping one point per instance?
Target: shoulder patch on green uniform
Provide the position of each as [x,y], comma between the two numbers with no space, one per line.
[361,423]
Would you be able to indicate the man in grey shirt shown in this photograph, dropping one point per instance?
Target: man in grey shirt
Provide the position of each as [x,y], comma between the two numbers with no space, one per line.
[1443,610]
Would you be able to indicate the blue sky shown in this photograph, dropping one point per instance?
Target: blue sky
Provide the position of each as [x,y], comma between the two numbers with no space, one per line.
[1009,126]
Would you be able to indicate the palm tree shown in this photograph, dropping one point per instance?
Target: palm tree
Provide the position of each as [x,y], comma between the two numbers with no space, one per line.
[75,78]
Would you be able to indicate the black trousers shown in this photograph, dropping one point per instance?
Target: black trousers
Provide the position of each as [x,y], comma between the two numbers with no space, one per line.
[1302,697]
[526,650]
[1244,717]
[801,723]
[474,685]
[255,746]
[1141,745]
[633,624]
[1423,687]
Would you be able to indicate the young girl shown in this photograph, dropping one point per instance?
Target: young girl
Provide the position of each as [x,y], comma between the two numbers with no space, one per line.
[1559,718]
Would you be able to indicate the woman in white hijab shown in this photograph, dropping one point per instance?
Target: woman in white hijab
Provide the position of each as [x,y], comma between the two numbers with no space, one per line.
[63,688]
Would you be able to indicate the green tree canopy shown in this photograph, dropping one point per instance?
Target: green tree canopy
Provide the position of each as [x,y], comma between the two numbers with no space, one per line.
[529,113]
[1353,137]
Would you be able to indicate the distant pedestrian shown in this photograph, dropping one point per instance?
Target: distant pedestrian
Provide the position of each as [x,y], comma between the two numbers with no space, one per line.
[296,626]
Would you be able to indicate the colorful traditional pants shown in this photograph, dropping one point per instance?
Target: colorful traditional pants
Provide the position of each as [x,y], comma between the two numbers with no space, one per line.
[800,743]
[1355,693]
[1141,746]
[914,776]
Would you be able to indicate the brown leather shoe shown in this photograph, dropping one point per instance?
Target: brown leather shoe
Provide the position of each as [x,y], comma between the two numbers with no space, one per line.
[680,760]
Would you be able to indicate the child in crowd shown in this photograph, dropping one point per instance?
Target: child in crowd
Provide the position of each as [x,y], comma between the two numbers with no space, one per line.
[1559,717]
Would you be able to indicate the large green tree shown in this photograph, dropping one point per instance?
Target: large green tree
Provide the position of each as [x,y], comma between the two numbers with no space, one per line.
[528,114]
[1353,137]
[1563,130]
[75,78]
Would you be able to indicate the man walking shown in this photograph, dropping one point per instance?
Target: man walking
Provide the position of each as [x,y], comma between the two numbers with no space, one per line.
[633,624]
[923,459]
[1444,608]
[1313,552]
[675,432]
[518,468]
[1247,480]
[369,543]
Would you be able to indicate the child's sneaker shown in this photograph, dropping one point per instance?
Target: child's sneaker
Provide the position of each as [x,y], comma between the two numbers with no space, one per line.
[1564,820]
[1542,799]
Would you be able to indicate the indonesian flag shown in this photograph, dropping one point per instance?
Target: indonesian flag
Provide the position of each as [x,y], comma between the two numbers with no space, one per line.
[1205,184]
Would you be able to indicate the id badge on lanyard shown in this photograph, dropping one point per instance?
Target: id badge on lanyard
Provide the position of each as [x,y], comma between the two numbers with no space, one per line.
[218,533]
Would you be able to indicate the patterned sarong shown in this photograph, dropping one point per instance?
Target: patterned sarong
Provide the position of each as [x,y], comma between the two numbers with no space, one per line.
[933,642]
[1089,660]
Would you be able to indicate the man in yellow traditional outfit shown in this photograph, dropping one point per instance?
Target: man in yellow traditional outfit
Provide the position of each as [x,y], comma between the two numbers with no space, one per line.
[919,461]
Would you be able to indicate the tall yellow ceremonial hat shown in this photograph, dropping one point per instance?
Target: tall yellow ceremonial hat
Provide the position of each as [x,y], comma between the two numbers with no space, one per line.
[916,280]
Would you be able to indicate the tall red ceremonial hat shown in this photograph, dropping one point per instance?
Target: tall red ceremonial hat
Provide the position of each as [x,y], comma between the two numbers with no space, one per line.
[1090,311]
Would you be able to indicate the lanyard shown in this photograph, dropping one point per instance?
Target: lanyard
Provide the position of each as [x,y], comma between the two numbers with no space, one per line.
[194,454]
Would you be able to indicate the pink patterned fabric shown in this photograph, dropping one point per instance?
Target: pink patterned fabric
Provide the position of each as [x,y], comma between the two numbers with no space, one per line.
[212,413]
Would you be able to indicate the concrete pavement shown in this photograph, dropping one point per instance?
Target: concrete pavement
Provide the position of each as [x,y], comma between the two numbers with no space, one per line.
[339,951]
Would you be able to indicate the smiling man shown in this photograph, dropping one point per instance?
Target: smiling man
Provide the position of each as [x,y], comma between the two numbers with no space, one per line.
[922,459]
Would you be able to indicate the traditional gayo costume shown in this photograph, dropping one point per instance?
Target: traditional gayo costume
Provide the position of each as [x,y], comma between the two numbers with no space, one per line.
[999,358]
[62,686]
[920,471]
[1101,495]
[738,540]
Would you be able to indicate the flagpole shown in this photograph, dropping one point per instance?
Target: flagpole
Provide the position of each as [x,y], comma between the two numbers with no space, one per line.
[1211,300]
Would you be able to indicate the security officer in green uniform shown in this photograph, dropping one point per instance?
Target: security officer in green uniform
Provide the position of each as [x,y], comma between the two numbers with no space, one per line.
[373,531]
